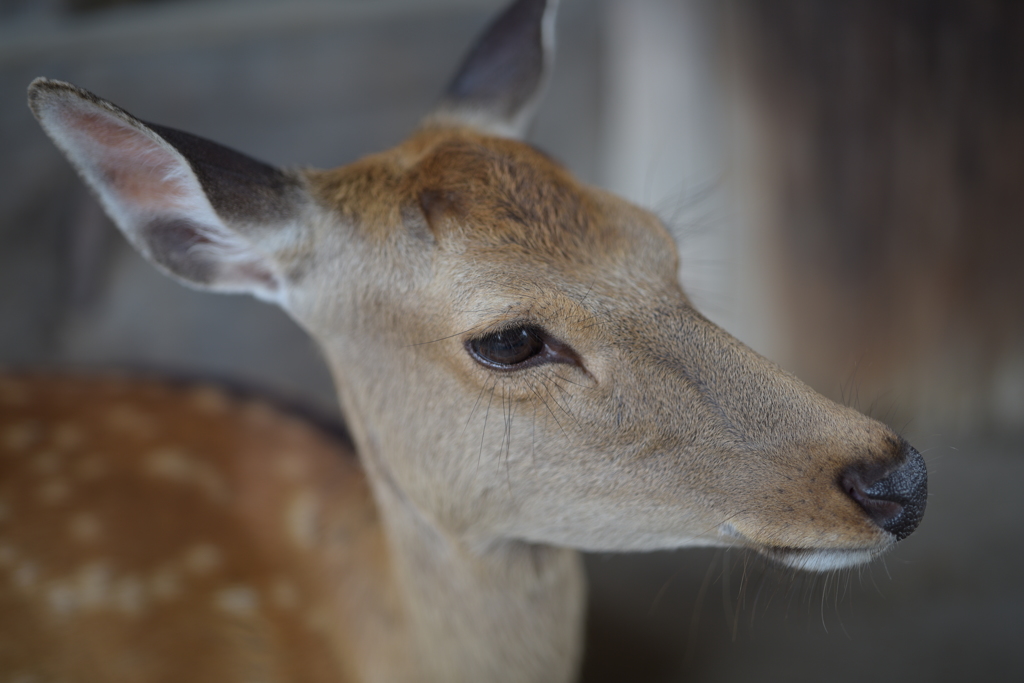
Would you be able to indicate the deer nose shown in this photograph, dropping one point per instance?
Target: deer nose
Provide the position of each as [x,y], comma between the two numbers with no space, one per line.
[894,499]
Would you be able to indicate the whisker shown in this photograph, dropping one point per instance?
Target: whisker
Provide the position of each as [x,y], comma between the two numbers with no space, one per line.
[507,437]
[553,416]
[533,437]
[555,401]
[475,406]
[434,341]
[562,378]
[661,592]
[691,637]
[483,432]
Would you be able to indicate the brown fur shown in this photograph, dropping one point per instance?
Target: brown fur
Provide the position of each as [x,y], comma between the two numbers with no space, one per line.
[592,270]
[167,520]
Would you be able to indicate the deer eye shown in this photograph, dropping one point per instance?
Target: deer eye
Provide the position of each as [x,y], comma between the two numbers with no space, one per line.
[508,348]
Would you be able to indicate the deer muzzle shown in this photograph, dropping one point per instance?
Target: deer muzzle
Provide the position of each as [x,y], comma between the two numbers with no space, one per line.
[893,499]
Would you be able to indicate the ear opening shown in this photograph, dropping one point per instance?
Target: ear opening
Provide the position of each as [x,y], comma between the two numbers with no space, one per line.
[196,209]
[499,85]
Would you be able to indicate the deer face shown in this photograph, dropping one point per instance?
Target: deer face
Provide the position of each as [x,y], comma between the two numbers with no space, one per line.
[514,353]
[533,331]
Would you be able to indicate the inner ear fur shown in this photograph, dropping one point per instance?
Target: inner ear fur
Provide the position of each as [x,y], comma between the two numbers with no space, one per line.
[200,211]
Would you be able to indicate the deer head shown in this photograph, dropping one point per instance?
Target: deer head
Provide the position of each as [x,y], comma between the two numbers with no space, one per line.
[513,351]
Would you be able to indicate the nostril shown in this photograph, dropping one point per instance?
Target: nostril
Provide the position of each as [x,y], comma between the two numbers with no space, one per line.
[883,511]
[894,499]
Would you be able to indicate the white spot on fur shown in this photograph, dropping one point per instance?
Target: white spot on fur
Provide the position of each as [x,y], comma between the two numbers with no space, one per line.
[128,420]
[92,588]
[53,492]
[128,594]
[94,585]
[300,519]
[175,464]
[84,527]
[62,598]
[210,400]
[202,559]
[170,463]
[238,601]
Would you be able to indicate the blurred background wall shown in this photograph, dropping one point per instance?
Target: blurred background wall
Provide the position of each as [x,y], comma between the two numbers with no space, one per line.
[891,151]
[844,182]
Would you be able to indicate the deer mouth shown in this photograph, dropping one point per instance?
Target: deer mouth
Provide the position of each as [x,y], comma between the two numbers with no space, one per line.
[820,560]
[808,559]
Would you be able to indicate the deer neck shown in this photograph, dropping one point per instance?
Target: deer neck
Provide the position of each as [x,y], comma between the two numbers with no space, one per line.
[510,612]
[502,610]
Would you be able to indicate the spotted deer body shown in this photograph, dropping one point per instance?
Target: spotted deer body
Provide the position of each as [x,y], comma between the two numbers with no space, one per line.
[521,373]
[180,534]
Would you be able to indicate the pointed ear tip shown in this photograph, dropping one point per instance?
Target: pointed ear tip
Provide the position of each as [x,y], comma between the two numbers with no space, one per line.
[43,92]
[42,86]
[41,82]
[38,90]
[52,101]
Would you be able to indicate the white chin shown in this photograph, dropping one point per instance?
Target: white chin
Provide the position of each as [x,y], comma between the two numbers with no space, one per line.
[821,560]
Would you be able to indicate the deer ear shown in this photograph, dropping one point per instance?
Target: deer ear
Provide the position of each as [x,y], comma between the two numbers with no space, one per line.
[203,213]
[499,85]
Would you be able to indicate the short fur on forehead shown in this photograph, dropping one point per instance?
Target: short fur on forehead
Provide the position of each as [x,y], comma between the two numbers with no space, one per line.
[488,193]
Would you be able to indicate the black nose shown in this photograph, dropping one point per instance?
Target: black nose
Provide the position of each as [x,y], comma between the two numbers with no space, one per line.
[894,499]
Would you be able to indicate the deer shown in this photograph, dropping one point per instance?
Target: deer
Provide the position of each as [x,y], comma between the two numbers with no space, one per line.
[519,369]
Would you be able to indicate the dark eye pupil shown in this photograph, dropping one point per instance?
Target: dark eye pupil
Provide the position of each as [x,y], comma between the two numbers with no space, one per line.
[509,347]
